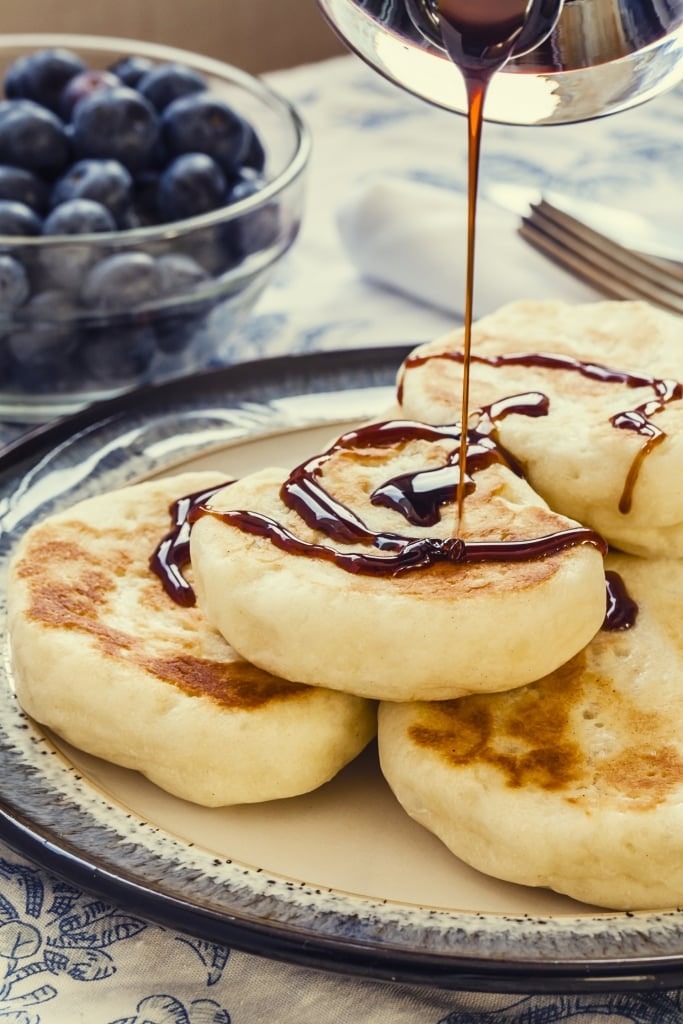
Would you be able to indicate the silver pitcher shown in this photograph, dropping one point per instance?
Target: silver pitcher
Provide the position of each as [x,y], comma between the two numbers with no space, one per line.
[595,57]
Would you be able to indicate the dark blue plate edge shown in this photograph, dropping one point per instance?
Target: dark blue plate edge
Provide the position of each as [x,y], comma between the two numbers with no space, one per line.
[288,375]
[343,956]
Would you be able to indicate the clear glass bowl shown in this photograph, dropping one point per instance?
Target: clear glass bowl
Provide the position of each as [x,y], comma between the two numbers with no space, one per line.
[59,355]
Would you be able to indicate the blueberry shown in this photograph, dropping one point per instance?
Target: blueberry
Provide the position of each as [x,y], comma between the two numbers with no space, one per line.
[176,331]
[178,274]
[84,84]
[181,276]
[6,362]
[116,124]
[167,82]
[244,184]
[204,123]
[192,184]
[106,181]
[14,81]
[58,375]
[18,219]
[42,76]
[8,107]
[255,154]
[210,247]
[121,282]
[254,230]
[65,266]
[32,137]
[14,284]
[160,157]
[78,217]
[144,196]
[131,69]
[23,187]
[119,357]
[47,336]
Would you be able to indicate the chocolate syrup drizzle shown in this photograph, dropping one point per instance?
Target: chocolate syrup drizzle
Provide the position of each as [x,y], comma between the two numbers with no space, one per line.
[418,497]
[622,610]
[172,554]
[637,420]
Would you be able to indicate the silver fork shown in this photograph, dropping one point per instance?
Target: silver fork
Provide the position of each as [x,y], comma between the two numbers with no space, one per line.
[612,269]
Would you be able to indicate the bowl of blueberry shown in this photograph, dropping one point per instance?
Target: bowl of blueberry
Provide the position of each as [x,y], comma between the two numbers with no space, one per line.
[146,197]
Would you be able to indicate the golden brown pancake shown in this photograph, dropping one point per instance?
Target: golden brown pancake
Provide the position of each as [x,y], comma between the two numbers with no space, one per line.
[315,603]
[574,782]
[104,657]
[609,450]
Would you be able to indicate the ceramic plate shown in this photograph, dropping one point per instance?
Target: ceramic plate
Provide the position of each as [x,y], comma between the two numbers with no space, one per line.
[341,878]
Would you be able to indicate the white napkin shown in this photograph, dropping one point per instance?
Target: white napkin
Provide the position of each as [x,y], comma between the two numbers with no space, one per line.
[411,237]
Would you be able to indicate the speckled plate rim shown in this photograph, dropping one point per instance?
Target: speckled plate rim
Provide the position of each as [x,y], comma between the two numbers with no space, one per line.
[60,820]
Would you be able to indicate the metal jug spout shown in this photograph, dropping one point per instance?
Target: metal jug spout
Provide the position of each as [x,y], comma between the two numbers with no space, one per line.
[594,57]
[539,19]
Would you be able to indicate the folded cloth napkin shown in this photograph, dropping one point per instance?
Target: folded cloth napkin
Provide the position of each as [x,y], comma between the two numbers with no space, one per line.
[411,237]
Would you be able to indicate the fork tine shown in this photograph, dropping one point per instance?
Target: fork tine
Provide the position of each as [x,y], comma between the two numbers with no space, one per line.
[611,268]
[650,266]
[533,233]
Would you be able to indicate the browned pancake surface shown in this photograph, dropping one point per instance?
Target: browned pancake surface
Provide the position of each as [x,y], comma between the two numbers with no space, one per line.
[574,782]
[75,574]
[111,663]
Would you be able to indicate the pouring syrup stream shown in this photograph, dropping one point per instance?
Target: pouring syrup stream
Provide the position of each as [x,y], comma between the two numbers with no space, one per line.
[480,36]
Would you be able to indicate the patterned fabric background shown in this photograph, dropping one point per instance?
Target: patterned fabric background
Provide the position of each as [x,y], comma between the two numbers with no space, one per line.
[66,958]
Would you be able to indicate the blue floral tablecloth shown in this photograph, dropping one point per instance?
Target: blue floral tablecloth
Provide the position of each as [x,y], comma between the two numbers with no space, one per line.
[66,957]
